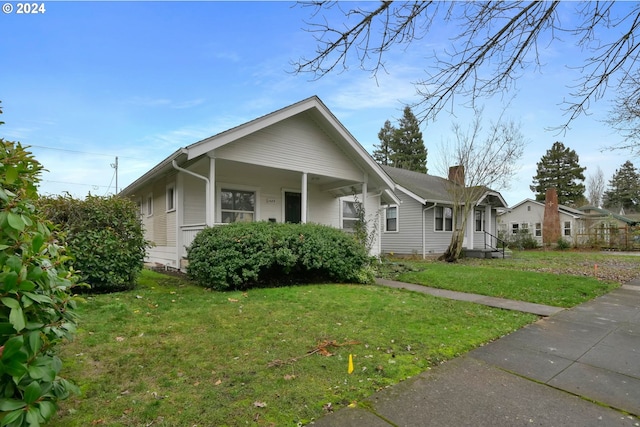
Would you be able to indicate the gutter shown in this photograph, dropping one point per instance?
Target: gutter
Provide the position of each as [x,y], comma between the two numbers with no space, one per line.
[208,220]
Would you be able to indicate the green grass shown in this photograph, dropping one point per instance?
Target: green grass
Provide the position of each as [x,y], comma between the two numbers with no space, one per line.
[173,354]
[562,279]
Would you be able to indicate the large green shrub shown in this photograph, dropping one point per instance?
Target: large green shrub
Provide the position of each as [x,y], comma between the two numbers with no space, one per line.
[36,306]
[242,255]
[105,236]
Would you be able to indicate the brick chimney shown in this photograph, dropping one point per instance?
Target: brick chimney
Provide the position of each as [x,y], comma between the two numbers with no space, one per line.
[456,174]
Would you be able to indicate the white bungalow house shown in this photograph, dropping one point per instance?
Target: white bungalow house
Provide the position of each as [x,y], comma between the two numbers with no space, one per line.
[422,224]
[529,215]
[297,164]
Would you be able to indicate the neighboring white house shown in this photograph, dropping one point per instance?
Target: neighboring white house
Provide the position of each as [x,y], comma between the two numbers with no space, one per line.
[297,164]
[529,215]
[422,224]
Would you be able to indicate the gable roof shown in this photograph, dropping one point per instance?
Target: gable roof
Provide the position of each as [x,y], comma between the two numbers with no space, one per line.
[565,209]
[425,188]
[595,211]
[313,107]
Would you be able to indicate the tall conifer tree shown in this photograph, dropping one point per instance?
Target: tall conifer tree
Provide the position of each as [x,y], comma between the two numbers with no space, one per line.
[408,147]
[624,189]
[559,168]
[383,152]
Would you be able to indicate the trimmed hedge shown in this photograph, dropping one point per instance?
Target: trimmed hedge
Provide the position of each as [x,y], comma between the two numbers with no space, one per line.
[105,236]
[244,255]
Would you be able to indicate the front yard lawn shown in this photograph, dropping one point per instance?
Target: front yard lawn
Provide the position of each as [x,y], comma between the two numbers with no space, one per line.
[562,279]
[173,354]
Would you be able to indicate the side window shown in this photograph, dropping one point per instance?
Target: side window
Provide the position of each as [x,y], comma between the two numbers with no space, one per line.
[567,228]
[391,219]
[149,204]
[171,198]
[538,229]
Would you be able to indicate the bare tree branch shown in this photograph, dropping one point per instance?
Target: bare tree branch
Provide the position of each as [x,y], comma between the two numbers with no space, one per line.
[496,42]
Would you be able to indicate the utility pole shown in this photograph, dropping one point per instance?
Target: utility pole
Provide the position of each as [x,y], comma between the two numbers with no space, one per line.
[115,166]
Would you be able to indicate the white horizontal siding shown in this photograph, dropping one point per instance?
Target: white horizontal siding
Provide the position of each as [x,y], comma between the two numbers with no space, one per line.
[293,144]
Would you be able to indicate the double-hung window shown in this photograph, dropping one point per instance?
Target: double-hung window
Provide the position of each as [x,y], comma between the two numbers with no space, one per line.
[443,218]
[567,228]
[350,215]
[237,205]
[391,218]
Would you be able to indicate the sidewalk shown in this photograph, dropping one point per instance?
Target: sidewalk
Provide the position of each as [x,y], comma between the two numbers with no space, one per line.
[579,367]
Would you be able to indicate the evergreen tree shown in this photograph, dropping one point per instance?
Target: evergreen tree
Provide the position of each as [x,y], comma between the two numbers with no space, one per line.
[407,145]
[559,168]
[624,189]
[383,153]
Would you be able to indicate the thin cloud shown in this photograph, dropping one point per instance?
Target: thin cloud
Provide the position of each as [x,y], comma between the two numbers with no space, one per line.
[164,102]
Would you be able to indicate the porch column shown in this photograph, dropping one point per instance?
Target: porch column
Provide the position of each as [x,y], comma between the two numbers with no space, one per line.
[471,220]
[211,192]
[365,180]
[303,199]
[488,222]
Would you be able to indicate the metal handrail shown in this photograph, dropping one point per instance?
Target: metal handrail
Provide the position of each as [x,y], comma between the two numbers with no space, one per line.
[498,241]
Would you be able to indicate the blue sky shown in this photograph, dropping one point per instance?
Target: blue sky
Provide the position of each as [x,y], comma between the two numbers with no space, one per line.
[88,81]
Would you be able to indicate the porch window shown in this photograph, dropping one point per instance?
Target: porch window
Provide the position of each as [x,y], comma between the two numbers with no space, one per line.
[237,206]
[479,220]
[444,218]
[349,215]
[391,218]
[567,228]
[538,229]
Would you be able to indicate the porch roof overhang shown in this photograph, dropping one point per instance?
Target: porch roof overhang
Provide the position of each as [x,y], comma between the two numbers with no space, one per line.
[492,198]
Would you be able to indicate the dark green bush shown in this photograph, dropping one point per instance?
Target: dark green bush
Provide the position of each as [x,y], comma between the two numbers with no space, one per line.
[242,255]
[104,234]
[36,305]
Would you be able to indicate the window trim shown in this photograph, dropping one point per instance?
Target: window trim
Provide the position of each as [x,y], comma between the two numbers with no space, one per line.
[538,229]
[397,218]
[149,204]
[140,206]
[170,196]
[236,187]
[443,209]
[482,220]
[342,217]
[565,229]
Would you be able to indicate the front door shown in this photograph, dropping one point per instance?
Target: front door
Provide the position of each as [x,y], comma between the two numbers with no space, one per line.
[292,207]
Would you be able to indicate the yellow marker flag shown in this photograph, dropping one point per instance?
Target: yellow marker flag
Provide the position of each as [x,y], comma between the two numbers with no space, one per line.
[350,370]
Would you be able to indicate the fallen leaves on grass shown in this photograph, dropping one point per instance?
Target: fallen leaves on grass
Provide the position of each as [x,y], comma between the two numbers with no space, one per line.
[321,348]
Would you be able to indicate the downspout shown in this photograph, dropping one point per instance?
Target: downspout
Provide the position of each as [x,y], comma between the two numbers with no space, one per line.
[207,220]
[424,239]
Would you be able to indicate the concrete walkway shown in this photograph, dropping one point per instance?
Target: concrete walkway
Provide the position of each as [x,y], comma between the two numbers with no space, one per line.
[527,307]
[578,367]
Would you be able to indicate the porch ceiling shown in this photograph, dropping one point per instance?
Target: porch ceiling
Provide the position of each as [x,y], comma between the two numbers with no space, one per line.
[249,174]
